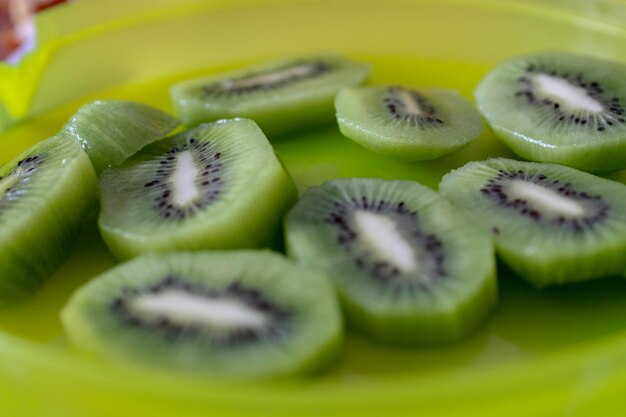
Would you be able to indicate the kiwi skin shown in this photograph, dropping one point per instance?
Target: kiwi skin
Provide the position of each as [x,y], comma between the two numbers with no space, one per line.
[110,131]
[30,254]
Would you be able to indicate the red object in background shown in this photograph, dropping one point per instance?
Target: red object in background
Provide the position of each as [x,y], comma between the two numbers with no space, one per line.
[44,4]
[8,40]
[15,14]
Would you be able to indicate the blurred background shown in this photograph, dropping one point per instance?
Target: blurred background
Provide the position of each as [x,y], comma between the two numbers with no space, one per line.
[16,25]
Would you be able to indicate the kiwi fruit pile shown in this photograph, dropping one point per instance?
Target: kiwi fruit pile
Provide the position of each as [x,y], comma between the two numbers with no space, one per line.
[193,213]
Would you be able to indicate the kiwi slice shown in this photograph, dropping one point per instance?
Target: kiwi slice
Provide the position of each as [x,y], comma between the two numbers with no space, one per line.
[552,224]
[408,267]
[405,123]
[238,314]
[281,96]
[45,194]
[219,185]
[559,107]
[110,131]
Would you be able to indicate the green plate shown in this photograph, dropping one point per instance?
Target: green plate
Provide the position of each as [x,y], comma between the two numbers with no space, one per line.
[542,353]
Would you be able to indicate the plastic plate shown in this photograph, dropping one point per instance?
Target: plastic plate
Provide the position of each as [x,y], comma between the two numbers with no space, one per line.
[558,351]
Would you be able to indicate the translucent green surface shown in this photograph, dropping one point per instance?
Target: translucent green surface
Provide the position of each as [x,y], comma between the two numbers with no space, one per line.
[554,352]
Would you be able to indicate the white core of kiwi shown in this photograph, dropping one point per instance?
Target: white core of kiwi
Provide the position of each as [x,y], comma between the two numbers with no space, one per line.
[184,309]
[381,234]
[270,78]
[183,179]
[545,198]
[572,96]
[410,105]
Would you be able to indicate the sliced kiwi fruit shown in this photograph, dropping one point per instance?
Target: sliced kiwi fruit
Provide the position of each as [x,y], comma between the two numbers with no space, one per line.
[110,131]
[219,185]
[559,107]
[552,224]
[408,267]
[406,123]
[45,194]
[281,96]
[236,314]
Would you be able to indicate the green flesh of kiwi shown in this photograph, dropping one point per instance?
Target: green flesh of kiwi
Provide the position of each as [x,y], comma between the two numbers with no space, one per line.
[552,224]
[558,107]
[405,123]
[235,314]
[219,185]
[45,194]
[281,96]
[408,268]
[110,131]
